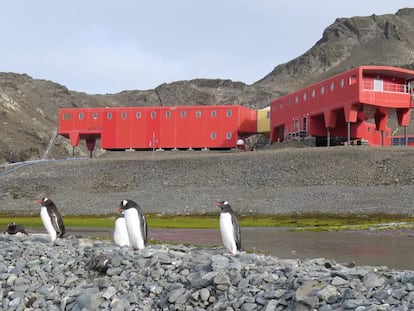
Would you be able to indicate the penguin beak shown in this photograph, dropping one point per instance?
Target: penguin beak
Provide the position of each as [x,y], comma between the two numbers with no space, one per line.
[117,210]
[38,201]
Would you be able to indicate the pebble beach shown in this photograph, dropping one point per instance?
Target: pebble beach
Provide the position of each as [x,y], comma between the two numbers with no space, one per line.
[85,274]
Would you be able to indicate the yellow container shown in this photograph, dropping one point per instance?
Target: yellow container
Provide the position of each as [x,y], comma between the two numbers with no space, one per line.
[263,120]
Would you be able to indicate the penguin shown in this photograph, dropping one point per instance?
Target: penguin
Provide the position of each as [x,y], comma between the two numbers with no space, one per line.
[12,228]
[229,228]
[136,224]
[51,218]
[120,232]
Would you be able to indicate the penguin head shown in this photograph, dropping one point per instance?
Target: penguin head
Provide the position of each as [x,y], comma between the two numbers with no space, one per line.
[45,201]
[12,226]
[224,206]
[125,204]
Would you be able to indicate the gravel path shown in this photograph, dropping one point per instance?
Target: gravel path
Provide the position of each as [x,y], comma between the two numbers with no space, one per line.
[274,181]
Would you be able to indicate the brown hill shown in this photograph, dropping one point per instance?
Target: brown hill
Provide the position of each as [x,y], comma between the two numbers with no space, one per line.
[347,43]
[29,107]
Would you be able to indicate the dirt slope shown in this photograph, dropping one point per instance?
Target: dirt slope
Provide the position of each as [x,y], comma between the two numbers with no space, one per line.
[288,180]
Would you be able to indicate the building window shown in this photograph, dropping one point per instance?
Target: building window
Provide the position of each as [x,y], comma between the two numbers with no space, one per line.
[342,82]
[229,113]
[304,124]
[67,116]
[183,114]
[281,105]
[81,115]
[168,114]
[297,99]
[153,114]
[305,96]
[109,115]
[352,80]
[95,115]
[213,135]
[313,93]
[268,114]
[332,86]
[213,113]
[229,135]
[322,89]
[198,114]
[296,125]
[123,115]
[138,115]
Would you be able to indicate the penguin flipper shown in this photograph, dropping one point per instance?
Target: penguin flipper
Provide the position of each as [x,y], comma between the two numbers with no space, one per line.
[57,224]
[236,233]
[144,227]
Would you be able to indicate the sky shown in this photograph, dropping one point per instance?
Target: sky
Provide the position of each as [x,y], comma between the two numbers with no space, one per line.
[107,46]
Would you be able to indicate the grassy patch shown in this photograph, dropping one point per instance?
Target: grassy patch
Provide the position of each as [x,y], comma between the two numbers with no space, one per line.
[306,222]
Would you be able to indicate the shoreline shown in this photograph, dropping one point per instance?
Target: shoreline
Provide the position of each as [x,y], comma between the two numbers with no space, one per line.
[73,274]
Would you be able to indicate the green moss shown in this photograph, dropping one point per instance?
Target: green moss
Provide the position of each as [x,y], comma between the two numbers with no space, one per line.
[304,222]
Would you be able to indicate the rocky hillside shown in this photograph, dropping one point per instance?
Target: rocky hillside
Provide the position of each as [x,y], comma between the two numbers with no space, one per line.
[347,43]
[29,107]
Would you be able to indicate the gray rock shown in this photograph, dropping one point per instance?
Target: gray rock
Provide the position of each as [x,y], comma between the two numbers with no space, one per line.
[372,280]
[109,292]
[175,294]
[328,291]
[204,294]
[248,306]
[88,300]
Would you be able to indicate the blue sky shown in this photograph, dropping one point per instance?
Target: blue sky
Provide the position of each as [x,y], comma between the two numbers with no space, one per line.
[102,46]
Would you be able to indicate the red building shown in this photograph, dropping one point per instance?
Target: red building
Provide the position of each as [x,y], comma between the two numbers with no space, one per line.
[343,105]
[180,127]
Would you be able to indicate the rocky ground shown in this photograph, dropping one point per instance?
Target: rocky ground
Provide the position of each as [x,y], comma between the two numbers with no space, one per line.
[74,274]
[68,275]
[278,180]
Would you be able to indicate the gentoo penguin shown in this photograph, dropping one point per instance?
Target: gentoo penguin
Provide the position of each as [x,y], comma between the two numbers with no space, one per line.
[136,223]
[229,228]
[51,218]
[120,232]
[12,228]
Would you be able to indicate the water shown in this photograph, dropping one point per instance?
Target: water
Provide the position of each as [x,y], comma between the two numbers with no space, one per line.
[360,247]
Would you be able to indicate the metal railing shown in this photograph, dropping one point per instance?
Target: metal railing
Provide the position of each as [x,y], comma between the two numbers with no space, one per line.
[386,87]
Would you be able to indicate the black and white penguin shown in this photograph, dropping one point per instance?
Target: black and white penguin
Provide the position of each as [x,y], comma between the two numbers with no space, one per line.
[229,228]
[51,218]
[120,232]
[13,228]
[136,224]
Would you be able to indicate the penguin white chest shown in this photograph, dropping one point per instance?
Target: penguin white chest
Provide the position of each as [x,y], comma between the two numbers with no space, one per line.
[227,233]
[134,228]
[47,223]
[120,233]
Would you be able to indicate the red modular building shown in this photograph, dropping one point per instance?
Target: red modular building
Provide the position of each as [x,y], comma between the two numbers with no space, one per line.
[180,127]
[343,105]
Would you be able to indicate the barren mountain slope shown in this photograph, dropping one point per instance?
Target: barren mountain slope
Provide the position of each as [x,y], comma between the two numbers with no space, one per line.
[29,107]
